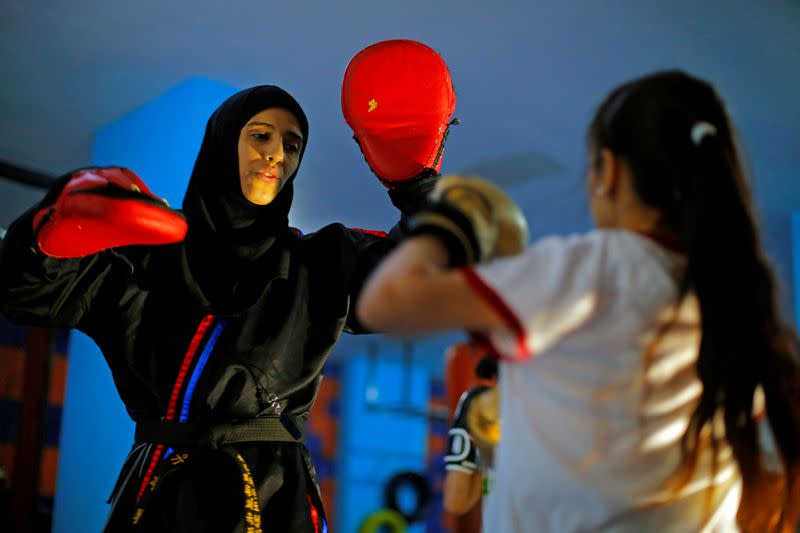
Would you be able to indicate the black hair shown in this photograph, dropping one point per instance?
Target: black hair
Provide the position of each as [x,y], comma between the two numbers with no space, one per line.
[486,368]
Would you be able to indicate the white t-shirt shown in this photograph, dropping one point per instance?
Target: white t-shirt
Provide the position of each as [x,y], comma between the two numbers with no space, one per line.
[591,431]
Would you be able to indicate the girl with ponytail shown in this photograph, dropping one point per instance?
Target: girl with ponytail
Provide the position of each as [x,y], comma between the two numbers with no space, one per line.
[648,383]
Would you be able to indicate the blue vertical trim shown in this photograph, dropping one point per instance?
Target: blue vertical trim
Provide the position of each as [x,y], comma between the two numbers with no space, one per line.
[198,369]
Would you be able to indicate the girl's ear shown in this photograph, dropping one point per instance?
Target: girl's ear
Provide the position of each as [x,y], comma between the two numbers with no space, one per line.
[608,172]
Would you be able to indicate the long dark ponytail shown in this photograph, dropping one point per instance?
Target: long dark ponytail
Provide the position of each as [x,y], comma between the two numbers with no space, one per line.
[673,132]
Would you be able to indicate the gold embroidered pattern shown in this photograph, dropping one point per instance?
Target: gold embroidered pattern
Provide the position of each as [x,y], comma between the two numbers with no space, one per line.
[179,458]
[252,513]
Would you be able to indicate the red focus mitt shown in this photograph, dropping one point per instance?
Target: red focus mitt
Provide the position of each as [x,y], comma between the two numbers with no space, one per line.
[102,208]
[397,96]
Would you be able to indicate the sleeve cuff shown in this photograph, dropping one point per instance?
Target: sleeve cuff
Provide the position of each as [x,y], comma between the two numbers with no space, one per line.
[520,350]
[459,468]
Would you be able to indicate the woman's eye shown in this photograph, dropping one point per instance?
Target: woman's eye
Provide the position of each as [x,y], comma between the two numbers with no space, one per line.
[293,148]
[263,136]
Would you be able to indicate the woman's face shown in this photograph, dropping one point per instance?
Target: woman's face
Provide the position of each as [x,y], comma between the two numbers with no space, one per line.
[270,145]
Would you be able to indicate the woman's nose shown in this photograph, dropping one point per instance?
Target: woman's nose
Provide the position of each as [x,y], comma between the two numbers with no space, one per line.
[274,154]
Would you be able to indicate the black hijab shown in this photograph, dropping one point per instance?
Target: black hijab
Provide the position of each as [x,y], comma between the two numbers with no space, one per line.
[233,247]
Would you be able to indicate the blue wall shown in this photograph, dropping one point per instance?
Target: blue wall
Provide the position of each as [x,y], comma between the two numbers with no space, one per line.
[159,142]
[382,432]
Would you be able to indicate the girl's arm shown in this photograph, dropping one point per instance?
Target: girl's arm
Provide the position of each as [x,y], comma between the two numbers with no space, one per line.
[461,491]
[413,292]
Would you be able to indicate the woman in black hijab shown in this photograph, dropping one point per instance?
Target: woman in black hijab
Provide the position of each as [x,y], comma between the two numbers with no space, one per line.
[216,343]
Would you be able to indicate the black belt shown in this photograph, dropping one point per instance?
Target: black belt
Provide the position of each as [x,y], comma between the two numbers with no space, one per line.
[283,428]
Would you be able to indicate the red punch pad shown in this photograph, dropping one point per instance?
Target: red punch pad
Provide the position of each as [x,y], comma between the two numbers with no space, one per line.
[102,208]
[397,96]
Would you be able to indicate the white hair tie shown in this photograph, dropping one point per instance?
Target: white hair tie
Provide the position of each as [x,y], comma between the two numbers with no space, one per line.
[702,129]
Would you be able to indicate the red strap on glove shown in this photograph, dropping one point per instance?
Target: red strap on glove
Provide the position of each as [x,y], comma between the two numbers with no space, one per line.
[397,96]
[103,208]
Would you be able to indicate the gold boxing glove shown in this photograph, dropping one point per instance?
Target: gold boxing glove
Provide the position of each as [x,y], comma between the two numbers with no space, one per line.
[475,219]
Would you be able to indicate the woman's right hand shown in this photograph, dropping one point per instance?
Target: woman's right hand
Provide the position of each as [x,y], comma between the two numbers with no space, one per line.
[101,208]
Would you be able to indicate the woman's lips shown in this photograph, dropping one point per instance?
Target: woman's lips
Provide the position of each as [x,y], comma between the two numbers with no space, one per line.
[267,176]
